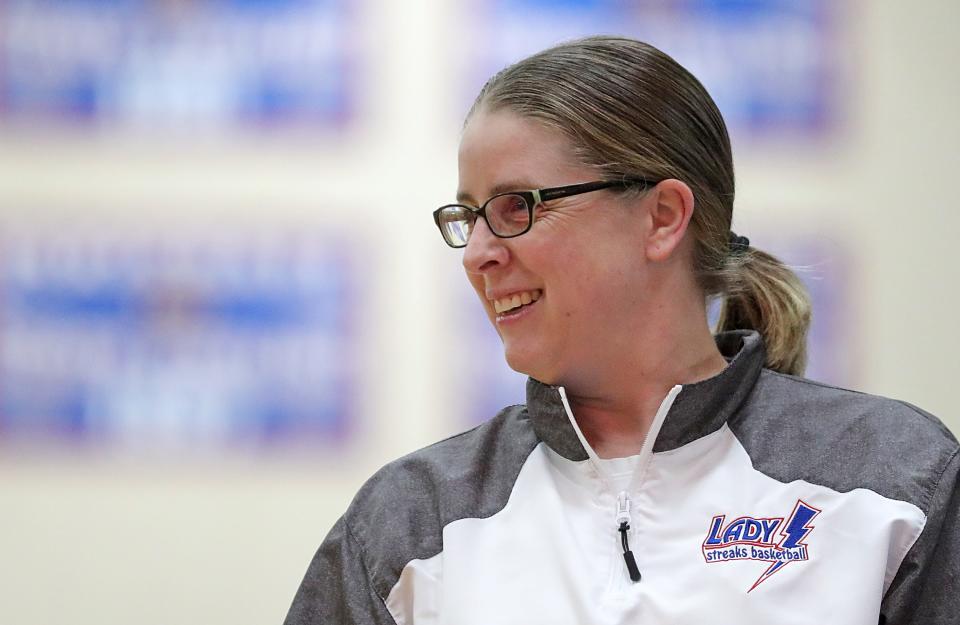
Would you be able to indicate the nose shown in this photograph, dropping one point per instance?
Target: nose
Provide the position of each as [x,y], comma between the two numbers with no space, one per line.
[484,250]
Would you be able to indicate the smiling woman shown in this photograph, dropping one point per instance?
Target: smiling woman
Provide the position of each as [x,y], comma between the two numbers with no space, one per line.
[600,261]
[652,457]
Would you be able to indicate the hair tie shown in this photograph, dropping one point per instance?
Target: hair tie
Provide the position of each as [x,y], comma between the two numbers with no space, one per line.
[738,244]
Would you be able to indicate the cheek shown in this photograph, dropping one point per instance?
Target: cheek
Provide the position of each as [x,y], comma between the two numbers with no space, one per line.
[601,289]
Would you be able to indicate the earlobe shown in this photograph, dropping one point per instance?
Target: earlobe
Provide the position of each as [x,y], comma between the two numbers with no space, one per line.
[671,209]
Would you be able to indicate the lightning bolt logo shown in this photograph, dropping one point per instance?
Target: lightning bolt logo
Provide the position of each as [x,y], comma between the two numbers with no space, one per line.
[793,533]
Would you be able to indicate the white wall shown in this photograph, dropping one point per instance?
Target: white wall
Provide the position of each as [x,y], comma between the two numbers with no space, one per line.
[88,538]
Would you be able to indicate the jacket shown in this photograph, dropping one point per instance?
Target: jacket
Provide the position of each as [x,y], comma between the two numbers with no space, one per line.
[757,498]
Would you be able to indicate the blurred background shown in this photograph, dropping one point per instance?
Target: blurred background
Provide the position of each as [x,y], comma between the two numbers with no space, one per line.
[223,303]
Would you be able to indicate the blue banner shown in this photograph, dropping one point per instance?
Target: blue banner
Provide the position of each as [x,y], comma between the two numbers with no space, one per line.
[773,66]
[135,62]
[177,341]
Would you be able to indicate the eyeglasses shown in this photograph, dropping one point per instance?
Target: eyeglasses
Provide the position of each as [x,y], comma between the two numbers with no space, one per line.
[510,214]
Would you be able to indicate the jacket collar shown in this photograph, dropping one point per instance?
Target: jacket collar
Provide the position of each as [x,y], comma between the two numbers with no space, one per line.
[699,409]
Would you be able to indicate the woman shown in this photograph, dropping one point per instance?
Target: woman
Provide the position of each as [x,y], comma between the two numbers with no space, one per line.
[657,474]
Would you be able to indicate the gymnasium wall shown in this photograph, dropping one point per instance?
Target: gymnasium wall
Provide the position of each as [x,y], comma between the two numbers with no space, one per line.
[219,313]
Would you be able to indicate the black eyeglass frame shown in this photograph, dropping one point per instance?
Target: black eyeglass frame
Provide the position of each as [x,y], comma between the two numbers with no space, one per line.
[534,198]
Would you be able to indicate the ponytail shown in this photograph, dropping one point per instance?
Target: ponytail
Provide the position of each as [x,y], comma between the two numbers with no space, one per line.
[763,294]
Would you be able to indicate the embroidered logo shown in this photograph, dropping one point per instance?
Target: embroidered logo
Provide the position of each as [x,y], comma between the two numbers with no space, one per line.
[752,538]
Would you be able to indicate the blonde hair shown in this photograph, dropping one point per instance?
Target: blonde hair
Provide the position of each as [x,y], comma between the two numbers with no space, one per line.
[631,111]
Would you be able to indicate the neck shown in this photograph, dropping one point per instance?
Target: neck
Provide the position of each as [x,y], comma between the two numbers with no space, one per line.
[616,423]
[616,403]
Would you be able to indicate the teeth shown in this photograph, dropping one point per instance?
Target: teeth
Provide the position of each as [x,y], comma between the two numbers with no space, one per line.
[516,301]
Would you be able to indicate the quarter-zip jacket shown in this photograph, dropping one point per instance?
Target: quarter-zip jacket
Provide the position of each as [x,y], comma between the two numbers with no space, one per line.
[757,498]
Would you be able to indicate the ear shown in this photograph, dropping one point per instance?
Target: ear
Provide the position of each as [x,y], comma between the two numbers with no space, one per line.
[670,213]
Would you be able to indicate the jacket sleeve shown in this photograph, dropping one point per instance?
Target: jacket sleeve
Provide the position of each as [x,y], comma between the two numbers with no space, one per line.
[337,589]
[925,589]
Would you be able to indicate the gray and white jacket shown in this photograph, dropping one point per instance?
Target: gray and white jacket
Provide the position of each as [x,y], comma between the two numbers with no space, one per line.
[757,498]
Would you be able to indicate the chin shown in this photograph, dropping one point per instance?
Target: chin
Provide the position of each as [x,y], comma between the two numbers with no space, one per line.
[530,363]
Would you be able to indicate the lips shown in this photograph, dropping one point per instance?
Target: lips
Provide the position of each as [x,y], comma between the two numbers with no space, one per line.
[515,300]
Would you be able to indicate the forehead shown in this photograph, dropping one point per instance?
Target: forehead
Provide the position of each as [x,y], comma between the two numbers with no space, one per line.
[502,151]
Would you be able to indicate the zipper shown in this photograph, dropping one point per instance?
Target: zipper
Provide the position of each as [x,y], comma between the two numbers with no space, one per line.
[646,452]
[623,526]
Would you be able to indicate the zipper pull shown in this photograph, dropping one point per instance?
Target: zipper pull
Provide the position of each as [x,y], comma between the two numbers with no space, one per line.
[623,524]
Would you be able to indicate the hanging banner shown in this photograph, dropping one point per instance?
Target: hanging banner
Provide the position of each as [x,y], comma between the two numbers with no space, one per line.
[222,62]
[772,66]
[177,340]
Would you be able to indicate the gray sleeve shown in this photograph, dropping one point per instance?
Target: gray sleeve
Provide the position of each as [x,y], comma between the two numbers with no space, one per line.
[337,587]
[926,588]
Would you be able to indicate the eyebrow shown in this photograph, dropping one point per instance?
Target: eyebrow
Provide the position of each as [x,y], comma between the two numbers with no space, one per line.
[503,187]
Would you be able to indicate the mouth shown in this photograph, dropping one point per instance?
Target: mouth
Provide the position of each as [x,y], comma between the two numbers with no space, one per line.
[515,303]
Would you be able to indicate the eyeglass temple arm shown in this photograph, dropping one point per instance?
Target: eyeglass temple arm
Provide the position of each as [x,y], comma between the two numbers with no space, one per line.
[585,187]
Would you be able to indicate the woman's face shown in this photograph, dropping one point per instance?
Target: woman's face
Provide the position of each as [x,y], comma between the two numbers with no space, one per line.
[581,266]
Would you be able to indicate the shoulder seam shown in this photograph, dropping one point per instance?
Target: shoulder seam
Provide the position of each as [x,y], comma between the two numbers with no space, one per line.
[936,485]
[810,382]
[918,411]
[928,417]
[366,567]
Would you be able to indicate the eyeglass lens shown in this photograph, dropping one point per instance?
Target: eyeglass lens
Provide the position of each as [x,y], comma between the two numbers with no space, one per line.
[456,224]
[507,215]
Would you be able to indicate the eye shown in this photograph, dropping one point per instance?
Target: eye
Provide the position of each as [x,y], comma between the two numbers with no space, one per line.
[512,207]
[515,204]
[508,214]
